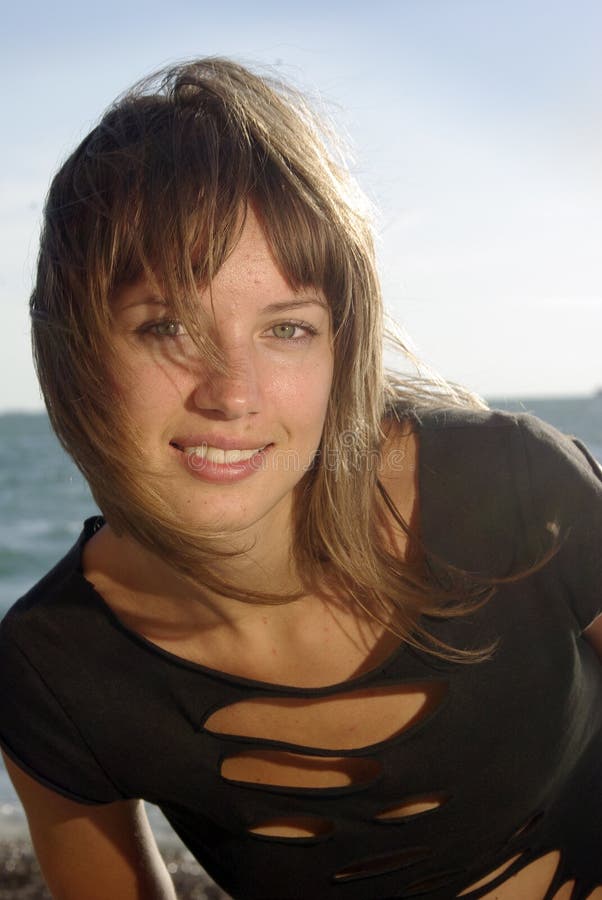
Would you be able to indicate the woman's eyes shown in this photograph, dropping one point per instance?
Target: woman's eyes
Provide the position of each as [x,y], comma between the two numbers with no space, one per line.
[164,328]
[283,331]
[287,331]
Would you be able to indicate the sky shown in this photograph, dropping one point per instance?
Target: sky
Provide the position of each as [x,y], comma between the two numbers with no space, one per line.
[475,128]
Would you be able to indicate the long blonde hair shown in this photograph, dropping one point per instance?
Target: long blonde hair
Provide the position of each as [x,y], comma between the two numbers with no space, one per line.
[157,189]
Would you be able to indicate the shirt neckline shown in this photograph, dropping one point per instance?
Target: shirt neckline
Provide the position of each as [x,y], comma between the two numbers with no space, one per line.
[93,523]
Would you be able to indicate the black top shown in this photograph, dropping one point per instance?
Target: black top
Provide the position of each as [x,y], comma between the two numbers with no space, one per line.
[513,747]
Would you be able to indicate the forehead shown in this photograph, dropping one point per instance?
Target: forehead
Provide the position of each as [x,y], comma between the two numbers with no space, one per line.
[248,277]
[250,263]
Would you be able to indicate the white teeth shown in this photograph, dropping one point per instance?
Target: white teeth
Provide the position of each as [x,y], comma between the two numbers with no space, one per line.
[222,457]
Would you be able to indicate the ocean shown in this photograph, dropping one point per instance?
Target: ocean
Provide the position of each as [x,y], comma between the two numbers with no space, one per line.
[44,501]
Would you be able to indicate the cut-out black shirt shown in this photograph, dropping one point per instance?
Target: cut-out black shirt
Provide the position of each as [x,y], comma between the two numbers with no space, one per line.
[513,750]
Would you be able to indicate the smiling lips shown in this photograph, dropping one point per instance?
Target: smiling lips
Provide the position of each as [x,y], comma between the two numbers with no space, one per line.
[222,457]
[219,464]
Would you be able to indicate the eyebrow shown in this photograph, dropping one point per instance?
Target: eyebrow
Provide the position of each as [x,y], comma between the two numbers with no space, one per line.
[271,308]
[147,301]
[294,304]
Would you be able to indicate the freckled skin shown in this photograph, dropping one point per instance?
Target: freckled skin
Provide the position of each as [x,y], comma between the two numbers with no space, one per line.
[275,391]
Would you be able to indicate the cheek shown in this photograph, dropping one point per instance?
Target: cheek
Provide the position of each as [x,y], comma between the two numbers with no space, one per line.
[304,391]
[322,386]
[150,385]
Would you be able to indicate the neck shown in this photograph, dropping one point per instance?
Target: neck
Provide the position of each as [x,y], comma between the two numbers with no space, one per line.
[264,564]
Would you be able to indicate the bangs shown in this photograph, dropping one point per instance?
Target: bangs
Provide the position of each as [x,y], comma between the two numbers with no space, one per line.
[159,191]
[166,179]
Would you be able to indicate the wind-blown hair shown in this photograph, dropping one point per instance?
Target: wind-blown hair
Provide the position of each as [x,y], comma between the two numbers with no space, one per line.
[159,188]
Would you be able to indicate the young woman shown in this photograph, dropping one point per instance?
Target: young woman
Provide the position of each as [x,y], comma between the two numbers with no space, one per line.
[338,625]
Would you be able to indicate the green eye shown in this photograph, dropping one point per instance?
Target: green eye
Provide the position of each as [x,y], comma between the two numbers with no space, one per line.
[165,328]
[286,330]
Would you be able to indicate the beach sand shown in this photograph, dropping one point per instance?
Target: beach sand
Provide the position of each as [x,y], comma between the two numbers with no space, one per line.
[20,877]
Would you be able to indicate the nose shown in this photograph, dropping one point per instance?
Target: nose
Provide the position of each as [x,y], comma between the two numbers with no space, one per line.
[230,394]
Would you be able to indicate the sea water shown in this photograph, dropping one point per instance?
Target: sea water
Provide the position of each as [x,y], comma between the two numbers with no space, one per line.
[44,500]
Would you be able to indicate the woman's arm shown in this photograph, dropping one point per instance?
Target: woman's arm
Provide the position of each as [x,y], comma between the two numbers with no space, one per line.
[92,852]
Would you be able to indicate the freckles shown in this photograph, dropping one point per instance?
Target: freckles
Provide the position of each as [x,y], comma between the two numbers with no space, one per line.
[154,386]
[308,376]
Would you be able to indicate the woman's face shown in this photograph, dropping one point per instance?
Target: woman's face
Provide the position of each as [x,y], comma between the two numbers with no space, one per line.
[200,426]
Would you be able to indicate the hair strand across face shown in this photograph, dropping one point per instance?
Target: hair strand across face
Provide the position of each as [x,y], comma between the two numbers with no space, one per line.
[159,190]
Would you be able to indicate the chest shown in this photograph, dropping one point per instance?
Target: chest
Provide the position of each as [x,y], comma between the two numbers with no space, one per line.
[455,759]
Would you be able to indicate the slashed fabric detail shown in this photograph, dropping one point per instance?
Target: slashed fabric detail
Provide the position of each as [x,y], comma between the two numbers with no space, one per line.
[445,775]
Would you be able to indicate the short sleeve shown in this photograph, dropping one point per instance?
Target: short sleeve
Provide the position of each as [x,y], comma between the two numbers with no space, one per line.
[37,734]
[566,483]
